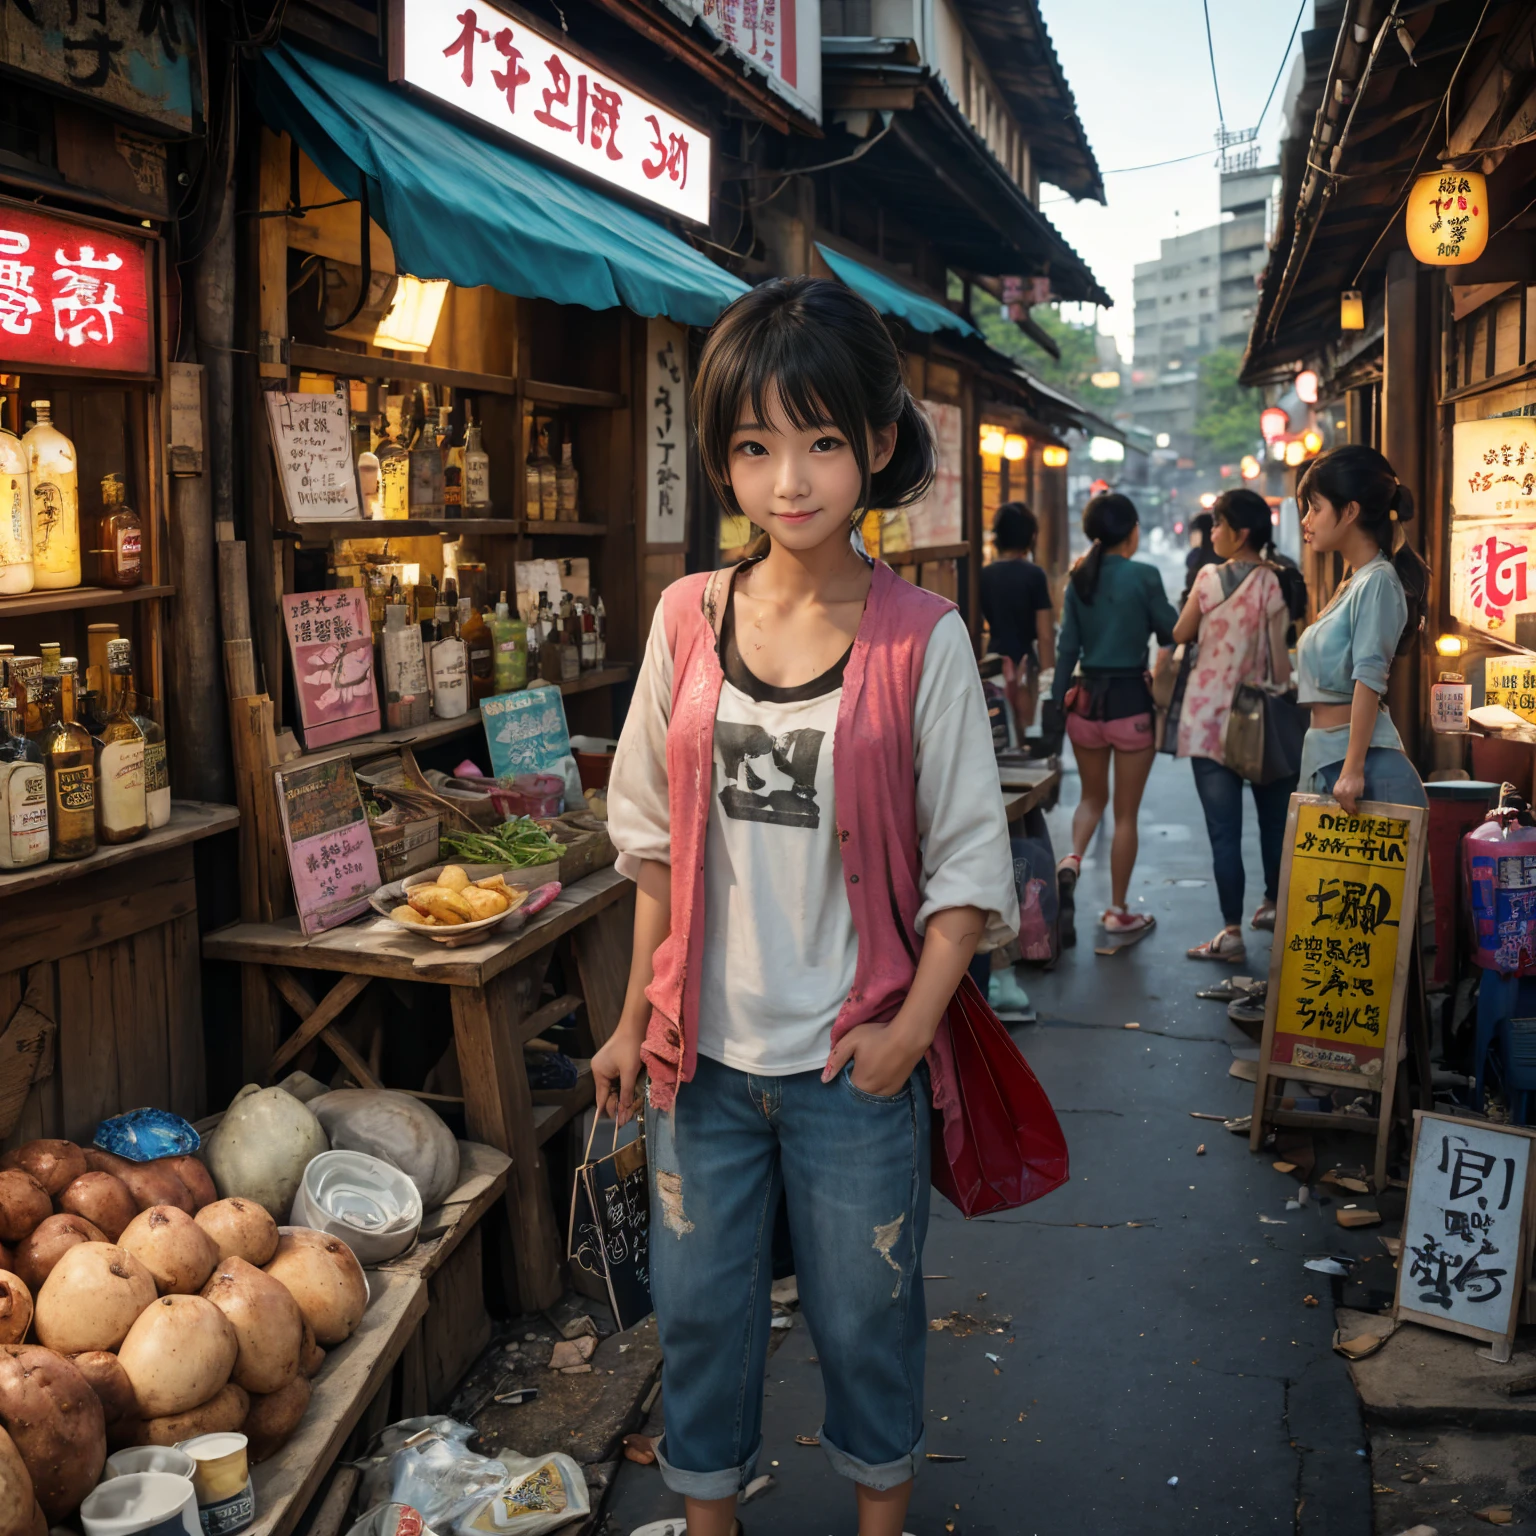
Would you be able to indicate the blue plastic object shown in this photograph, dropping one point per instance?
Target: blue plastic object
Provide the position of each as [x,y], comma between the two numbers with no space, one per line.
[145,1134]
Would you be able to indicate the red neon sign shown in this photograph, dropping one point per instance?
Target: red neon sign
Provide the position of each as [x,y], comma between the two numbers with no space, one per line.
[73,295]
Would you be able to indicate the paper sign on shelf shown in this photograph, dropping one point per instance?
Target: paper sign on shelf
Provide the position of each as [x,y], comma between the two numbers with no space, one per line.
[330,847]
[526,731]
[330,641]
[312,441]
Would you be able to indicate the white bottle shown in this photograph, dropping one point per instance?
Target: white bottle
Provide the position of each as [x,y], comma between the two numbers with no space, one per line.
[448,663]
[23,799]
[368,485]
[477,471]
[55,503]
[15,517]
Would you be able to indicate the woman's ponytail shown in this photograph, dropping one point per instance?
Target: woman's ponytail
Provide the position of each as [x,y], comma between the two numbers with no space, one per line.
[1108,520]
[1411,570]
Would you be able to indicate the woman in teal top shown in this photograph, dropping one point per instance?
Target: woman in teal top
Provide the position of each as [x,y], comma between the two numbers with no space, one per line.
[1353,503]
[1113,607]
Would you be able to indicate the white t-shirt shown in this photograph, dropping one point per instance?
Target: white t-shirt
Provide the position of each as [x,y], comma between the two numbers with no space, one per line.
[780,948]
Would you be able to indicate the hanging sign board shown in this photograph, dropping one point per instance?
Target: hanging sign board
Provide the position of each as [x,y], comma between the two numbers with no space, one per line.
[1493,523]
[505,74]
[777,40]
[1448,705]
[1467,1227]
[666,433]
[312,440]
[141,59]
[1338,975]
[330,848]
[73,295]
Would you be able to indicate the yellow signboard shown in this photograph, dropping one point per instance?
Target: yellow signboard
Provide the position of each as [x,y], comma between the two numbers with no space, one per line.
[1349,897]
[1511,681]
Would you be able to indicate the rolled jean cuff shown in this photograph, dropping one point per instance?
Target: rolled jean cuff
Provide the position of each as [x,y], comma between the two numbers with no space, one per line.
[707,1485]
[888,1474]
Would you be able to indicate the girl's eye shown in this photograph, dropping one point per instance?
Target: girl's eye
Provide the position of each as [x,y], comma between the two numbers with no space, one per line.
[826,444]
[751,450]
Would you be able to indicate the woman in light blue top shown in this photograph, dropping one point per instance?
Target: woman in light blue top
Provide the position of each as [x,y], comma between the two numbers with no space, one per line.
[1353,503]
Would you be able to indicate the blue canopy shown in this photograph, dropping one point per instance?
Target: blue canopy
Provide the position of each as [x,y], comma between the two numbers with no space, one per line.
[893,298]
[460,207]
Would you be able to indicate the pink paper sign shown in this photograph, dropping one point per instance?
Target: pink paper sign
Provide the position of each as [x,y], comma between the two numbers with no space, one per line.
[331,643]
[330,847]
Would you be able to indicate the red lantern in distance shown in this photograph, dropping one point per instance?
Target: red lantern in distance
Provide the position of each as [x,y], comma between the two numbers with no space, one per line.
[1273,423]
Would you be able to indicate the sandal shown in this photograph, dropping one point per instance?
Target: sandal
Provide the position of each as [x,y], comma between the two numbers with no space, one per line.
[1228,989]
[1249,1009]
[1226,948]
[1068,869]
[1119,920]
[1264,918]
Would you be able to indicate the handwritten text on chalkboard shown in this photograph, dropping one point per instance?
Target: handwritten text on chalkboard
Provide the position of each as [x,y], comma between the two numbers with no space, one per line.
[313,445]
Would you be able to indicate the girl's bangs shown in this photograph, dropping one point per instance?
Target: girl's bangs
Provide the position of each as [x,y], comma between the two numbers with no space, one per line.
[814,384]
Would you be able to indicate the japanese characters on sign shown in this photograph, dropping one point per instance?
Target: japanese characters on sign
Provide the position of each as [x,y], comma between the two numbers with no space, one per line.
[312,441]
[666,432]
[331,642]
[1493,522]
[73,295]
[1511,681]
[1448,705]
[526,732]
[134,57]
[1347,911]
[330,848]
[495,67]
[777,39]
[1464,1264]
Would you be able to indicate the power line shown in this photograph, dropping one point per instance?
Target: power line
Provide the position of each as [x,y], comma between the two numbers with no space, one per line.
[1285,59]
[1210,48]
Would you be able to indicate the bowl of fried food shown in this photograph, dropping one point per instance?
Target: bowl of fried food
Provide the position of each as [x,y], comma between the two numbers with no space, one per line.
[456,904]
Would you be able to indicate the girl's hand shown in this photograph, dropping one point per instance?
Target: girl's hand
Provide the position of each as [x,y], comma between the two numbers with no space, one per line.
[615,1070]
[1348,788]
[884,1056]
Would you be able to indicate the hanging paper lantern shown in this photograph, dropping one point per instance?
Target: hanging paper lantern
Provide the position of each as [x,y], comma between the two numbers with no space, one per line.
[1015,447]
[1305,385]
[1351,310]
[1273,423]
[1053,456]
[992,440]
[1448,218]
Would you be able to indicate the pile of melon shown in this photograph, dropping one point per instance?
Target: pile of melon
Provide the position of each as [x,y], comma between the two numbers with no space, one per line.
[138,1308]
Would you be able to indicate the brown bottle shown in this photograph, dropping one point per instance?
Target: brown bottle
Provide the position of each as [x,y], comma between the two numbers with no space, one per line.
[122,814]
[116,541]
[69,755]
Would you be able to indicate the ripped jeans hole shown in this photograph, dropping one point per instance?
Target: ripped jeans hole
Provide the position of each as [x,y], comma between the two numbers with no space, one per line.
[669,1190]
[886,1238]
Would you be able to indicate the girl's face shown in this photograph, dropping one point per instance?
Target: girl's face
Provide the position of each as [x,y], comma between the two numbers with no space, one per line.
[801,487]
[1225,539]
[1325,525]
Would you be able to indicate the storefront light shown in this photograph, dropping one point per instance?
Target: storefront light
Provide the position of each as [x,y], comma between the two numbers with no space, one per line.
[1295,452]
[1250,468]
[1447,217]
[1015,447]
[1273,423]
[1054,456]
[1306,387]
[992,441]
[1208,500]
[1312,441]
[1163,440]
[412,320]
[1277,449]
[1351,310]
[1450,645]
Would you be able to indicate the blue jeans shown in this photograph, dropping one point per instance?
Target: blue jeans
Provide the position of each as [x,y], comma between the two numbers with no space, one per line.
[1221,795]
[855,1172]
[1389,777]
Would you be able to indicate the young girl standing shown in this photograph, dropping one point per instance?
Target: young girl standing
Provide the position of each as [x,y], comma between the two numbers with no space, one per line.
[806,796]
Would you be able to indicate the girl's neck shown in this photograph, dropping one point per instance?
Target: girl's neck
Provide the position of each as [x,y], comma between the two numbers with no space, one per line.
[1358,550]
[821,574]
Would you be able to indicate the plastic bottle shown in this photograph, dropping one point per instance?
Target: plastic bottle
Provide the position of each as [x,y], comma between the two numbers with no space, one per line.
[509,641]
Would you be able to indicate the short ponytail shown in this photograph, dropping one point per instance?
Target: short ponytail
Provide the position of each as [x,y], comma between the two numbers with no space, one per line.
[1108,520]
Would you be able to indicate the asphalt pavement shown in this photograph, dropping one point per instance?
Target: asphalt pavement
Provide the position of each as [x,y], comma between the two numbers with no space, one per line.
[1157,1367]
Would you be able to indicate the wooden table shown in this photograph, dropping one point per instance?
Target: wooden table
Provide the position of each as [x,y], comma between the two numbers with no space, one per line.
[1027,789]
[496,987]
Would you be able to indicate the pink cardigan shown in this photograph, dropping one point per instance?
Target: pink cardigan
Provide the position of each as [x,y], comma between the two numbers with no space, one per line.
[876,795]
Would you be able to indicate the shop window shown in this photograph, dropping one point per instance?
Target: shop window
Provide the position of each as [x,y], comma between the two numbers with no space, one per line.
[26,126]
[1506,343]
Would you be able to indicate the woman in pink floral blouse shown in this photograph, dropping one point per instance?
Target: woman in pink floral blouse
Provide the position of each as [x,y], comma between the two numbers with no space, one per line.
[1239,614]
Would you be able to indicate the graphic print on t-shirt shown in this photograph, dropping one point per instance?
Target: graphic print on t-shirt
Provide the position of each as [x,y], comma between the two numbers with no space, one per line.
[769,778]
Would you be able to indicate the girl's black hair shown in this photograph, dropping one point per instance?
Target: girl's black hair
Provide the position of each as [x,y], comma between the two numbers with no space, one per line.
[1014,526]
[1356,473]
[1108,520]
[1201,525]
[1246,512]
[827,359]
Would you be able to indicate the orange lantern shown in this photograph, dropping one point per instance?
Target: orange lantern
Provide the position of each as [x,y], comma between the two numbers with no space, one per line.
[1053,456]
[1273,423]
[1448,217]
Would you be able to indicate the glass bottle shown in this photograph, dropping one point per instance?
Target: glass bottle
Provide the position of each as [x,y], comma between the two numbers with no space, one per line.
[588,637]
[476,635]
[157,768]
[509,641]
[69,757]
[118,539]
[23,795]
[426,468]
[53,654]
[368,484]
[451,445]
[96,638]
[533,498]
[477,472]
[23,673]
[567,482]
[55,503]
[549,494]
[16,569]
[394,476]
[448,665]
[122,815]
[407,697]
[600,618]
[69,671]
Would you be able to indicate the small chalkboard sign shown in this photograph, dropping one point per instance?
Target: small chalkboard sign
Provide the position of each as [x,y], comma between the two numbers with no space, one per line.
[1467,1228]
[610,1236]
[312,442]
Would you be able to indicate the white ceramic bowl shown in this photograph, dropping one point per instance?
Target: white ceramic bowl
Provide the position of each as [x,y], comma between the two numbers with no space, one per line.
[139,1501]
[369,1204]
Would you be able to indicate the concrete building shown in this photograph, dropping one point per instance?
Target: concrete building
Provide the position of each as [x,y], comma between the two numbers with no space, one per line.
[1197,296]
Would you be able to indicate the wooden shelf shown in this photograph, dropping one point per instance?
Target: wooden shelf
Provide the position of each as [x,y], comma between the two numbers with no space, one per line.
[571,394]
[191,820]
[605,677]
[923,556]
[63,599]
[447,527]
[538,527]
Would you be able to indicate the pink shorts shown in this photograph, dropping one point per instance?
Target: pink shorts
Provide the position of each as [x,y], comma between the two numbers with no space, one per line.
[1131,733]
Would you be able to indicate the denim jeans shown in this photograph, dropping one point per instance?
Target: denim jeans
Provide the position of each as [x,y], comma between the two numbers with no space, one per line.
[854,1168]
[1221,795]
[1389,777]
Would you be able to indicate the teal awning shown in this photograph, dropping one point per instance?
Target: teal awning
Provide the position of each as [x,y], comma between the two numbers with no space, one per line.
[460,207]
[893,298]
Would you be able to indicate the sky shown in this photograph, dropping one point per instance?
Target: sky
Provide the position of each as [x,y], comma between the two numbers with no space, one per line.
[1142,79]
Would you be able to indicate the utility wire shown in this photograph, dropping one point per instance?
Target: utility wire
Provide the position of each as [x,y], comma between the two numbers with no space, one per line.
[1285,58]
[1210,48]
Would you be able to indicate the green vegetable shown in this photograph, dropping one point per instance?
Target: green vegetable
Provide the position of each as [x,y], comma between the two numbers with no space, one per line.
[522,843]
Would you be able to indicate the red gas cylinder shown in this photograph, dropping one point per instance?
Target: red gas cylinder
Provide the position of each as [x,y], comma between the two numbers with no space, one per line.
[1501,881]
